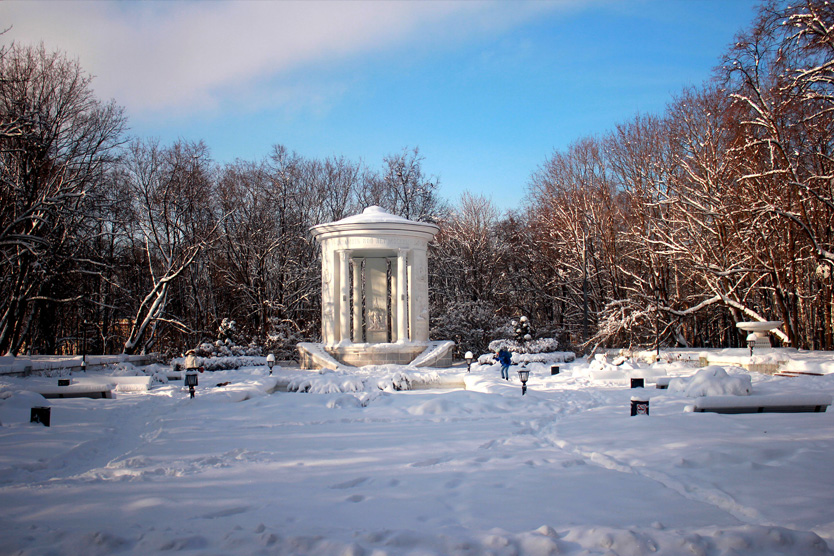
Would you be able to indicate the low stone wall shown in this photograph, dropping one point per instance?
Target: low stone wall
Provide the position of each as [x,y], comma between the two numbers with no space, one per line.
[25,365]
[765,360]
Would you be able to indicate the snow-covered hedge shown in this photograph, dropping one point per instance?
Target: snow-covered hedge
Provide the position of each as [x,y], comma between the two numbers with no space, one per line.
[519,358]
[542,345]
[545,357]
[281,343]
[227,348]
[225,353]
[221,363]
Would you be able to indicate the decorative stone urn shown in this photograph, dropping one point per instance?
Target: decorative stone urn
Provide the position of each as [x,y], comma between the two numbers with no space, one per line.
[374,291]
[758,331]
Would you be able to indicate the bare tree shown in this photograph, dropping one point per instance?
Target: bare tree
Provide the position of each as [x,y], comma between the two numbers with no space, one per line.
[403,188]
[781,77]
[578,211]
[57,140]
[174,224]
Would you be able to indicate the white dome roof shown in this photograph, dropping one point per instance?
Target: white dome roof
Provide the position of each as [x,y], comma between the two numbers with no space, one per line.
[372,222]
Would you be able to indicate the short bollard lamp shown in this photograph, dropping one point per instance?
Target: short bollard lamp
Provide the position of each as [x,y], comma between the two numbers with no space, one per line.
[191,381]
[751,341]
[469,357]
[270,361]
[523,374]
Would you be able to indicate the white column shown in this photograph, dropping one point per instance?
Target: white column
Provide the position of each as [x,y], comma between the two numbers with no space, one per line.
[412,313]
[357,301]
[402,295]
[419,295]
[394,298]
[344,295]
[328,294]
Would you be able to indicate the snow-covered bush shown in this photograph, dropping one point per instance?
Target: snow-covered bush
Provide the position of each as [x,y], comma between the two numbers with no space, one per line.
[227,348]
[519,340]
[228,330]
[229,344]
[125,369]
[471,324]
[487,359]
[712,381]
[283,339]
[229,351]
[157,371]
[521,327]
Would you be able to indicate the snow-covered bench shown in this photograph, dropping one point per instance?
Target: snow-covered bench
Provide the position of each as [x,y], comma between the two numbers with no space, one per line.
[662,382]
[775,403]
[89,390]
[796,373]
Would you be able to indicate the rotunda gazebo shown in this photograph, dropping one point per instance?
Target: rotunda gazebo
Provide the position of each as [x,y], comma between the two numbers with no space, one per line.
[375,292]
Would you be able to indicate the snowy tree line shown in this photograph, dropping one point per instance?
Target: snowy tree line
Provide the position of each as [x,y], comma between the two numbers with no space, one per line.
[139,246]
[679,225]
[673,226]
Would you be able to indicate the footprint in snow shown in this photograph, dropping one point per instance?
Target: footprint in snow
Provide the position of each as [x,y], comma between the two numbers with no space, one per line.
[225,513]
[428,462]
[454,483]
[350,484]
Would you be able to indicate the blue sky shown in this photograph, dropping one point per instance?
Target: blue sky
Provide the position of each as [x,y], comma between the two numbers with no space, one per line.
[486,90]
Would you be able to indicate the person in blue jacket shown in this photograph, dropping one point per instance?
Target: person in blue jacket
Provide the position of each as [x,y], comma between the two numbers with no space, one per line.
[505,359]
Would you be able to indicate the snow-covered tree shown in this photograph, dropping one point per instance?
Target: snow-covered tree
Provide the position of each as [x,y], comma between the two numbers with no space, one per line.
[56,142]
[172,224]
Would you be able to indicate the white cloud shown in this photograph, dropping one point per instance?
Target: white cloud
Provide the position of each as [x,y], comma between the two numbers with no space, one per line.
[164,57]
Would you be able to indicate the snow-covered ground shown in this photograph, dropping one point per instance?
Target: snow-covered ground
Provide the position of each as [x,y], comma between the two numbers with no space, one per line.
[356,467]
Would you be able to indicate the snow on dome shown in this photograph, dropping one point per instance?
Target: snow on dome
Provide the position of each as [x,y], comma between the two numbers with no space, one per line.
[371,221]
[374,209]
[372,214]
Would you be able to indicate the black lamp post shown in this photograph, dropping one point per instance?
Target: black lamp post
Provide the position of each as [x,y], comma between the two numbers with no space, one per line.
[751,341]
[84,350]
[469,357]
[191,380]
[657,323]
[523,374]
[270,360]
